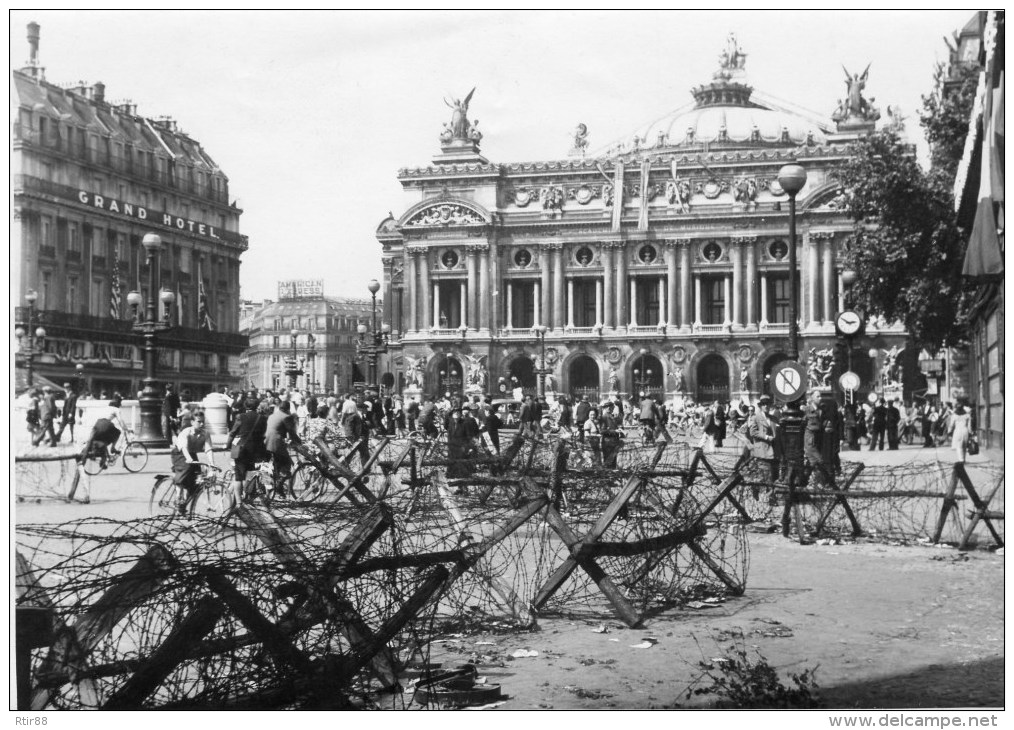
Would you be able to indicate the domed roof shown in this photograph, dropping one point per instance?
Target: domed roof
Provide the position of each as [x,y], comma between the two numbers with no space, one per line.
[726,111]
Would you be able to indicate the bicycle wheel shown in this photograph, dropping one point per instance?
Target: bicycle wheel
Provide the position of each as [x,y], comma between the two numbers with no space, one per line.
[210,505]
[93,465]
[163,496]
[135,457]
[307,483]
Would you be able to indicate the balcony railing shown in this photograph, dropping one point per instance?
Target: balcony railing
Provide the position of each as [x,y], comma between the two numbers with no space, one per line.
[47,252]
[98,262]
[712,329]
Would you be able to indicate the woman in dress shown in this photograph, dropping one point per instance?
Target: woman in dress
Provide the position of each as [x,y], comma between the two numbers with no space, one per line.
[959,430]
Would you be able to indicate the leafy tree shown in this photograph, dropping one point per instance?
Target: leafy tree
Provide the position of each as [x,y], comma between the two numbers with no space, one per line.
[906,246]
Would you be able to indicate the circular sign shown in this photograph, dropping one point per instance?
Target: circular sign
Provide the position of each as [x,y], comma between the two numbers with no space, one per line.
[848,322]
[872,397]
[849,381]
[788,381]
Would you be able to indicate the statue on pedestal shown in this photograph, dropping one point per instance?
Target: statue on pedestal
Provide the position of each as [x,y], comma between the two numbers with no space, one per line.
[459,119]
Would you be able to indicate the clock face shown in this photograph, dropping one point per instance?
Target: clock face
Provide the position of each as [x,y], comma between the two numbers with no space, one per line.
[849,322]
[849,381]
[788,381]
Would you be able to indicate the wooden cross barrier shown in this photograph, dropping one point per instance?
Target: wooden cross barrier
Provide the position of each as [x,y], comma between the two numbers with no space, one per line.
[981,511]
[700,459]
[67,660]
[579,556]
[840,498]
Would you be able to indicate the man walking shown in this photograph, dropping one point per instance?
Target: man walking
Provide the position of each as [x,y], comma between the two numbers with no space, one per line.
[170,413]
[69,416]
[893,420]
[581,415]
[47,414]
[879,426]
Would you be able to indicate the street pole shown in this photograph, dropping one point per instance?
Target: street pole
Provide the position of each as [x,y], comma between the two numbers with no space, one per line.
[792,178]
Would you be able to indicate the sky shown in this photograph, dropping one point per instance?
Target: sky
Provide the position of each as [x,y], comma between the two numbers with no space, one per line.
[312,113]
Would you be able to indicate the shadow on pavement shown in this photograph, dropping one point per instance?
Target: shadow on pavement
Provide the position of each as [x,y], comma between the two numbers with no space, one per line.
[973,684]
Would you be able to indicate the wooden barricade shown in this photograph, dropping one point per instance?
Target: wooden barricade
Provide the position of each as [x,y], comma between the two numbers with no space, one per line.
[980,513]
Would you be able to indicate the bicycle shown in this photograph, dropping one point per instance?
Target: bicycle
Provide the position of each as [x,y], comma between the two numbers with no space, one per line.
[133,453]
[210,499]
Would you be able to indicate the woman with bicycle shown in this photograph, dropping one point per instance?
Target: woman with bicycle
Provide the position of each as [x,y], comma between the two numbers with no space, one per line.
[246,444]
[189,444]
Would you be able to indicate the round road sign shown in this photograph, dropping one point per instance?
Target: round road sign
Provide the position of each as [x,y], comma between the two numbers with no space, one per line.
[788,381]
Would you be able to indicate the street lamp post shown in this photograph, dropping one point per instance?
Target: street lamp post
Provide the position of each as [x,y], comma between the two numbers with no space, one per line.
[642,376]
[148,326]
[376,344]
[293,371]
[33,333]
[539,331]
[792,178]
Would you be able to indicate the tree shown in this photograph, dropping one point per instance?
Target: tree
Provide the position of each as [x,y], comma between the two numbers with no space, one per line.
[906,246]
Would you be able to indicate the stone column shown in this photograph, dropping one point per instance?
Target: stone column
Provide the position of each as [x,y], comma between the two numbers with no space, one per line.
[812,280]
[764,299]
[558,297]
[621,285]
[685,290]
[608,288]
[751,282]
[388,290]
[484,294]
[570,303]
[464,304]
[598,302]
[671,281]
[633,302]
[827,276]
[737,282]
[661,301]
[436,306]
[697,299]
[547,288]
[727,284]
[538,303]
[413,290]
[424,290]
[468,314]
[510,305]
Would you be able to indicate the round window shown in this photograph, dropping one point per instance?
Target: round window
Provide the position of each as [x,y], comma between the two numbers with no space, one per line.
[712,252]
[523,257]
[449,259]
[647,254]
[584,256]
[778,250]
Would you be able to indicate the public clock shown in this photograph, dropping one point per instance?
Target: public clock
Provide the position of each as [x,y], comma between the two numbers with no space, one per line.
[788,381]
[849,381]
[848,322]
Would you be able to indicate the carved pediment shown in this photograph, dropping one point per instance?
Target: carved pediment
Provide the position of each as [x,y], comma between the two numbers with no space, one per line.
[443,213]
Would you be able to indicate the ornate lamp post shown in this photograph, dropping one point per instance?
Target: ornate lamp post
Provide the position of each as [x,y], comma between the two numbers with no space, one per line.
[36,334]
[792,178]
[642,377]
[539,331]
[293,371]
[376,344]
[148,325]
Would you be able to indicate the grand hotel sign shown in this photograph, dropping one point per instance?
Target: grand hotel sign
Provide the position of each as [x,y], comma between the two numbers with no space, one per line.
[157,218]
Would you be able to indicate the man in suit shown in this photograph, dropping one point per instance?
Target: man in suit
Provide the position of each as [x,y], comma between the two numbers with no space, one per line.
[581,415]
[69,415]
[279,433]
[879,426]
[246,444]
[763,432]
[893,420]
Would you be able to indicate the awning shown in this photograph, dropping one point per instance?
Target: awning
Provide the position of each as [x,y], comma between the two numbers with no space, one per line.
[38,381]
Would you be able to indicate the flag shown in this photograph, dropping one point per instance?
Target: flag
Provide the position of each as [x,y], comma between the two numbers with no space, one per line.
[179,305]
[203,317]
[983,258]
[114,294]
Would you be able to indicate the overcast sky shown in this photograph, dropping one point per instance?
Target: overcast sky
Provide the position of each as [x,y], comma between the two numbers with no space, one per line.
[311,114]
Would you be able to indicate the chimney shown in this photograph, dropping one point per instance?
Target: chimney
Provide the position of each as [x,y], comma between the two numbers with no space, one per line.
[99,92]
[33,44]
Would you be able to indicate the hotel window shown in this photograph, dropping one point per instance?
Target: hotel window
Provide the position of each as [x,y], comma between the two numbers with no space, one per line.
[522,304]
[98,186]
[275,342]
[45,290]
[712,300]
[73,237]
[72,290]
[99,306]
[47,231]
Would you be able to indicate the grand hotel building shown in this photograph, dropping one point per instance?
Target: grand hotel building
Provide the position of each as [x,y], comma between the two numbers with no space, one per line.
[661,265]
[89,179]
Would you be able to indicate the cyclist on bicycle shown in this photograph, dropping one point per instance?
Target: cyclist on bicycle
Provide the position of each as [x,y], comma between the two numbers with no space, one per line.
[246,443]
[189,444]
[105,433]
[281,426]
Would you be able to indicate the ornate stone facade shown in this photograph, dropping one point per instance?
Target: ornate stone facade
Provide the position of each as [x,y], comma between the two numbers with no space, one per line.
[658,264]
